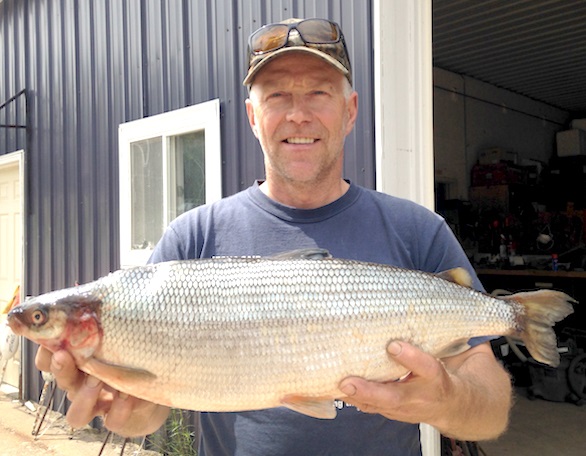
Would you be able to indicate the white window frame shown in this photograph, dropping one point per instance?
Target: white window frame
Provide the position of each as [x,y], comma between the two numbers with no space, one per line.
[203,116]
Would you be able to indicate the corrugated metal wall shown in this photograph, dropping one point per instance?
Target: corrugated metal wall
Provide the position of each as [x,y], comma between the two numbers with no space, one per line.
[88,66]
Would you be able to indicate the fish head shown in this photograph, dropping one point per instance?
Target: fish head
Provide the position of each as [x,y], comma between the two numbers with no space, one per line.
[63,320]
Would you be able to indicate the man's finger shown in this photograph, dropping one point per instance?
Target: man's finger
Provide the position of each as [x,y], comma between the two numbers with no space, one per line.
[365,395]
[85,406]
[419,363]
[132,417]
[63,367]
[119,413]
[43,359]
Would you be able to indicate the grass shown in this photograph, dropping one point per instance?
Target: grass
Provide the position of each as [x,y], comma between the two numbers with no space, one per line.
[177,437]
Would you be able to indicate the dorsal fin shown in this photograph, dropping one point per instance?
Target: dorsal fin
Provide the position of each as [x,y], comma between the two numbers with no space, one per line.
[457,275]
[313,253]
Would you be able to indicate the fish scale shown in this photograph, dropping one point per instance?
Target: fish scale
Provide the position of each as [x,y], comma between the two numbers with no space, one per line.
[231,334]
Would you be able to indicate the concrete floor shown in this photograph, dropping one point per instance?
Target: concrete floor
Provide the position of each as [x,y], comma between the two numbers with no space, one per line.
[542,428]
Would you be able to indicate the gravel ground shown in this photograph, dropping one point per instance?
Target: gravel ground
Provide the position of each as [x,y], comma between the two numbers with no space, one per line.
[56,437]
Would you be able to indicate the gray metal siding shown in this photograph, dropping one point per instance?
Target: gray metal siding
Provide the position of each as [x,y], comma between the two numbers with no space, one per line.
[88,66]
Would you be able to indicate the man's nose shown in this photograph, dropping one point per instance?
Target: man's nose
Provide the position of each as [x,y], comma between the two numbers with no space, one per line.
[299,111]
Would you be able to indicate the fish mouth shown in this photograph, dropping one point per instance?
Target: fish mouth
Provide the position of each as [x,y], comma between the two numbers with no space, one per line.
[14,320]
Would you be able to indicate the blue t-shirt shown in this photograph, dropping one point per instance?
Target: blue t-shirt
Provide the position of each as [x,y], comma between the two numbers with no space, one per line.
[362,225]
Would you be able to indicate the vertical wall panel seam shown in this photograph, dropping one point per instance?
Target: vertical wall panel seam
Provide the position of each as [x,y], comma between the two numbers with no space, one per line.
[95,251]
[79,127]
[66,142]
[164,65]
[114,225]
[188,100]
[144,60]
[126,59]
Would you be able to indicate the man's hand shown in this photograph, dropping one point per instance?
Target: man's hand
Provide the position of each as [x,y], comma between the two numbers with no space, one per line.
[123,414]
[467,396]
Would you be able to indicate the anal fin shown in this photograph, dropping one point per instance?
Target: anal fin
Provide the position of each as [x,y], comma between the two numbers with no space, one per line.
[316,407]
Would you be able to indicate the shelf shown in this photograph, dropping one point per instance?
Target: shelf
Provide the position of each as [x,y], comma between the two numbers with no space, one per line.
[533,273]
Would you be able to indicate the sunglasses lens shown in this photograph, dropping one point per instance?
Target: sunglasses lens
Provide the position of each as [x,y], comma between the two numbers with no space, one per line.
[269,37]
[318,31]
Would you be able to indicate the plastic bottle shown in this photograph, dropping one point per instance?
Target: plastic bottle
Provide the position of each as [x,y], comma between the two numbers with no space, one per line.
[554,261]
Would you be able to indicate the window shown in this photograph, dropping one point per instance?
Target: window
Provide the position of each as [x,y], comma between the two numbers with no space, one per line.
[169,163]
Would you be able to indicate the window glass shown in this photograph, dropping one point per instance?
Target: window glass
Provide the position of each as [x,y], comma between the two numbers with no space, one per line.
[186,172]
[146,174]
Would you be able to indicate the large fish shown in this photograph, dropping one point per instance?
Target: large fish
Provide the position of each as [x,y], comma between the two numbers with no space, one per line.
[233,334]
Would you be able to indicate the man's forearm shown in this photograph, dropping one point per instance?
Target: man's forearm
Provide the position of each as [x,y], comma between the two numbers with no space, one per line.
[479,408]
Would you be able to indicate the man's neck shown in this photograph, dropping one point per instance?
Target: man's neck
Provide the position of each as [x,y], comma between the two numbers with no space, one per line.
[305,196]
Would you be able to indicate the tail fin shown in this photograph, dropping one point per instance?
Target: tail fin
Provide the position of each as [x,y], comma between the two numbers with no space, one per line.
[542,309]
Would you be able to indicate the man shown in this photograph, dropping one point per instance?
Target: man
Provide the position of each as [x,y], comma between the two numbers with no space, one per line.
[301,107]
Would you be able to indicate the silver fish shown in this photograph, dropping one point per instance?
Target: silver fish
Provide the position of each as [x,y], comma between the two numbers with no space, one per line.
[233,334]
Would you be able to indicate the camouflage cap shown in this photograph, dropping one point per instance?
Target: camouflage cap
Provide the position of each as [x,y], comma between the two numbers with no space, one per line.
[334,53]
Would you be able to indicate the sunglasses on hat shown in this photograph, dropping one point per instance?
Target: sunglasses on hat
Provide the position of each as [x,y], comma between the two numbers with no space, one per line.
[320,37]
[275,36]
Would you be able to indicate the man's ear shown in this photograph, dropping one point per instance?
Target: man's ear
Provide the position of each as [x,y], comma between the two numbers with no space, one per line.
[251,117]
[352,107]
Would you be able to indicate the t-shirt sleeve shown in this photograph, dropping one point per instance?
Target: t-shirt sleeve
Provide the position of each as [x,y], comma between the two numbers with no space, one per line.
[446,252]
[182,239]
[168,248]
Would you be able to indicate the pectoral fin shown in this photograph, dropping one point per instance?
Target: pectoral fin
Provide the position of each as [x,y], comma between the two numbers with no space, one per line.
[316,407]
[453,349]
[119,377]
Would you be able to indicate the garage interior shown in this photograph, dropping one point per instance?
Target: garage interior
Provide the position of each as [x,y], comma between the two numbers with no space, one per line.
[510,171]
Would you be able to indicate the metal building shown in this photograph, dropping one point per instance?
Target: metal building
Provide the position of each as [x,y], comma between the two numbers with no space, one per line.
[72,71]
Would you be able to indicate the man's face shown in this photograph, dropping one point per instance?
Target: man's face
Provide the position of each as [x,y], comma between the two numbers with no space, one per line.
[301,109]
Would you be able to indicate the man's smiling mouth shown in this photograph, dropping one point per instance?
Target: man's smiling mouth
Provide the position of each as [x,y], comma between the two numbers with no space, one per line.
[300,140]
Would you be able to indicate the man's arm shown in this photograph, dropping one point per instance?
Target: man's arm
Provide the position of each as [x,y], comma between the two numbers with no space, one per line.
[123,414]
[467,396]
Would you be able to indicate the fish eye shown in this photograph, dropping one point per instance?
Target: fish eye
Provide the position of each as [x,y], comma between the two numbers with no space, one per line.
[38,317]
